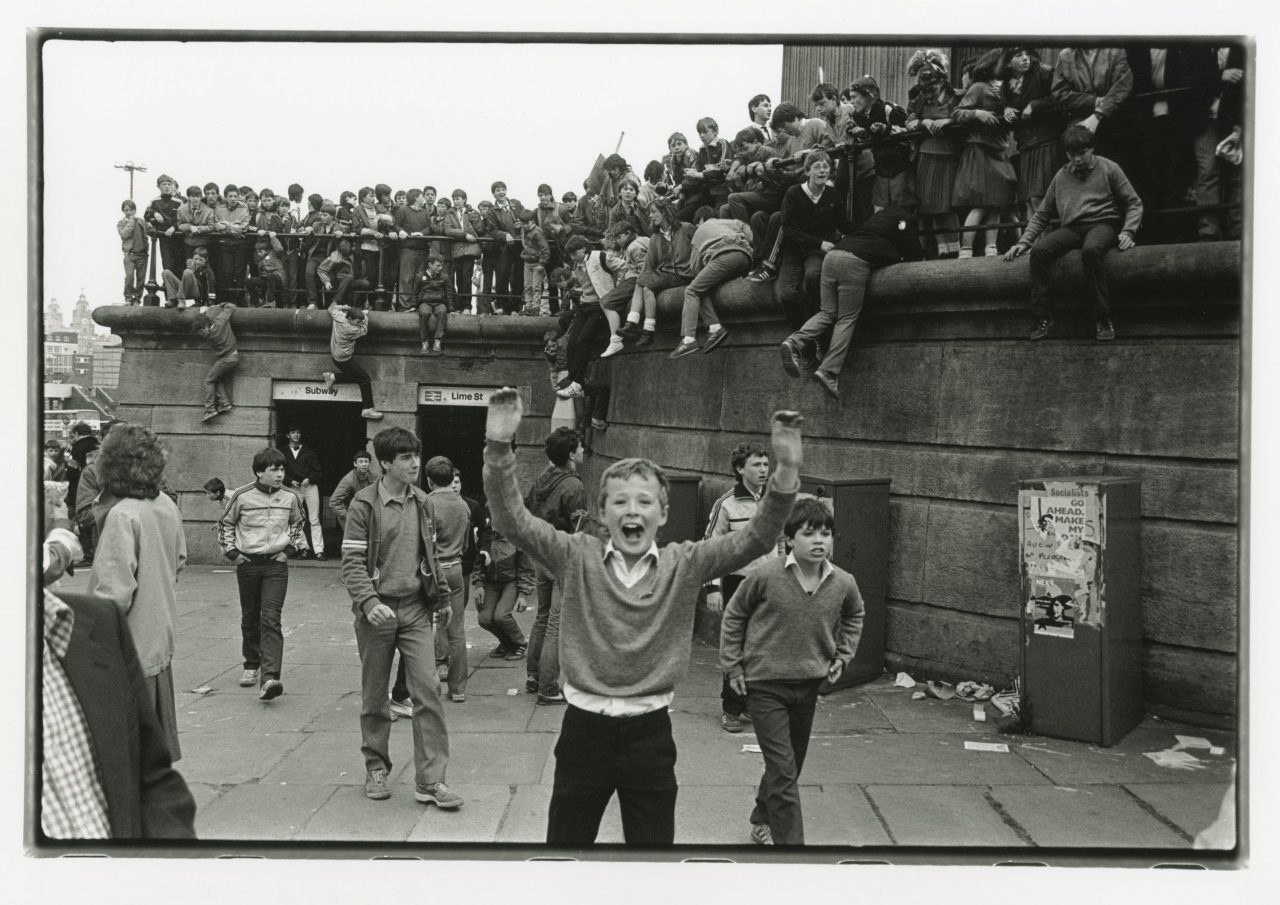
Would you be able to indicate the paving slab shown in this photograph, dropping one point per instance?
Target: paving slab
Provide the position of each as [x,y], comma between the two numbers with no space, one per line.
[705,759]
[230,759]
[928,715]
[1068,763]
[189,673]
[334,758]
[839,815]
[958,816]
[477,821]
[497,758]
[240,711]
[1190,806]
[338,678]
[348,816]
[1089,816]
[203,793]
[496,680]
[526,816]
[913,759]
[489,713]
[330,654]
[846,713]
[544,718]
[261,812]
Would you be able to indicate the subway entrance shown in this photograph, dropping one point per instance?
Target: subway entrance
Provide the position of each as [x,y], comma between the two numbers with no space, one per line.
[451,423]
[330,421]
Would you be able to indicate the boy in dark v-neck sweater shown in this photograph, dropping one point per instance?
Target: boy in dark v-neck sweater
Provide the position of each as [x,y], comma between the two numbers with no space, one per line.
[626,621]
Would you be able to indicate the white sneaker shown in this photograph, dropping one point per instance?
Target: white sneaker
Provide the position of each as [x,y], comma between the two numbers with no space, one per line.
[572,391]
[615,346]
[329,379]
[371,414]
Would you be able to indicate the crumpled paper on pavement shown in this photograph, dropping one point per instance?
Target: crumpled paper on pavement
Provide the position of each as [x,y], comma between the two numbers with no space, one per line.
[974,691]
[904,681]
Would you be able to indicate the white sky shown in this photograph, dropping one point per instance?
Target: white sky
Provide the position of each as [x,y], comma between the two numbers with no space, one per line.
[453,116]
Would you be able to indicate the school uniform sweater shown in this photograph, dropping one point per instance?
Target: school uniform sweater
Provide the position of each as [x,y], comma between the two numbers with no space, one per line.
[1102,194]
[774,629]
[617,641]
[806,223]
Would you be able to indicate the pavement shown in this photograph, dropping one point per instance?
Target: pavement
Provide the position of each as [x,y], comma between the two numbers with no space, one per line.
[885,773]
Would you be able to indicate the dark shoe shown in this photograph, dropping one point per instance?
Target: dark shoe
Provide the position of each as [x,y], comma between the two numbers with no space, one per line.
[517,654]
[599,424]
[829,383]
[1104,329]
[531,686]
[730,723]
[684,349]
[761,834]
[790,357]
[715,339]
[645,340]
[500,652]
[271,690]
[545,700]
[1040,329]
[438,794]
[745,717]
[630,330]
[761,274]
[375,785]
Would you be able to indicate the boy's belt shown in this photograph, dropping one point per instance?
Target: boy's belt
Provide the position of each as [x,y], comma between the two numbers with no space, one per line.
[456,561]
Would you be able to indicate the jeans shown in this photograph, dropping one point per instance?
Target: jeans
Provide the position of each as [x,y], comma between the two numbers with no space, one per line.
[782,716]
[309,496]
[588,337]
[351,371]
[1216,182]
[463,270]
[263,586]
[311,277]
[843,289]
[697,295]
[731,702]
[433,320]
[453,643]
[488,273]
[799,276]
[598,755]
[135,274]
[535,275]
[411,634]
[215,386]
[648,285]
[542,660]
[1093,242]
[412,261]
[186,288]
[496,614]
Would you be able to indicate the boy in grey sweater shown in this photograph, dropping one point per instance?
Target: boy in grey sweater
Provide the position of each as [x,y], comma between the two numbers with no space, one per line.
[626,620]
[791,624]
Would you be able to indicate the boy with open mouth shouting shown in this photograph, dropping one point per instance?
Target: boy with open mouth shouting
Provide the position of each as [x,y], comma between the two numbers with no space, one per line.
[626,621]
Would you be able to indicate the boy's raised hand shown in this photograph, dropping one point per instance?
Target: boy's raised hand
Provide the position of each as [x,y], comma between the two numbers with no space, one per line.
[787,445]
[505,412]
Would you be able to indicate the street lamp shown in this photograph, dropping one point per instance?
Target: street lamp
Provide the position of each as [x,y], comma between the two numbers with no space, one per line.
[132,168]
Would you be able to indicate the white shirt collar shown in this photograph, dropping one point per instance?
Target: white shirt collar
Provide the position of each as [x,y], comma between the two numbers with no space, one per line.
[630,576]
[824,570]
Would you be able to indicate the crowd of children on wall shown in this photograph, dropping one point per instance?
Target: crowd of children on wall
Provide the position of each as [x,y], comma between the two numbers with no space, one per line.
[965,169]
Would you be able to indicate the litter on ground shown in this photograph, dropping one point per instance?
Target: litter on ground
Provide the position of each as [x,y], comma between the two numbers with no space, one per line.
[904,681]
[999,747]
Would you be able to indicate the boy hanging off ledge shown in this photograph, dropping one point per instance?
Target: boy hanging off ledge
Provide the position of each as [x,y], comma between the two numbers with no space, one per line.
[626,621]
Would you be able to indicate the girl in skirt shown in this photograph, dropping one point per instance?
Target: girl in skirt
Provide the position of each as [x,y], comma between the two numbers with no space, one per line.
[937,158]
[1029,106]
[985,183]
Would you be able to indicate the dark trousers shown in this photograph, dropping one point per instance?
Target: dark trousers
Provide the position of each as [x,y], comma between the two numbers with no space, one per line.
[311,278]
[799,279]
[263,586]
[488,274]
[463,269]
[293,266]
[508,277]
[497,614]
[350,371]
[367,267]
[173,252]
[265,289]
[588,337]
[782,716]
[346,287]
[433,321]
[730,701]
[741,205]
[599,755]
[235,263]
[1093,242]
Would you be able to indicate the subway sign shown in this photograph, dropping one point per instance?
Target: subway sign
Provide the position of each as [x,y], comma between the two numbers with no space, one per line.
[314,391]
[442,395]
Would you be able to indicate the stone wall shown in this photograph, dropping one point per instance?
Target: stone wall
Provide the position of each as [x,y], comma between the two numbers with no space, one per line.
[942,393]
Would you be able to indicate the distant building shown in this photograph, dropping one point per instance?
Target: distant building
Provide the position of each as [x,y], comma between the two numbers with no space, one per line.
[66,403]
[53,316]
[82,323]
[106,362]
[60,347]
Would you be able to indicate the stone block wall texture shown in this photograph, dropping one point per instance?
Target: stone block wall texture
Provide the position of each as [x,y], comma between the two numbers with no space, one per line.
[942,393]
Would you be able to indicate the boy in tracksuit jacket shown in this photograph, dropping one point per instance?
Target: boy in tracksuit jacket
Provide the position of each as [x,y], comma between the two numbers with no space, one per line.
[627,615]
[536,253]
[387,547]
[791,624]
[261,523]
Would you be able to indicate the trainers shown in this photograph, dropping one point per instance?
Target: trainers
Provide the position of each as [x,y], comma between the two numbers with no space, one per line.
[500,652]
[761,834]
[248,678]
[715,339]
[426,348]
[210,414]
[517,654]
[790,357]
[599,424]
[438,794]
[545,700]
[1040,329]
[442,672]
[402,708]
[457,697]
[761,274]
[1104,329]
[329,379]
[375,785]
[685,348]
[730,723]
[271,689]
[371,414]
[828,381]
[645,340]
[615,346]
[436,348]
[572,391]
[531,686]
[630,330]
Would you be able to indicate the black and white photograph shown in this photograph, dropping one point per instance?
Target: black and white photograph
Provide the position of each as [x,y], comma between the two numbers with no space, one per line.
[616,442]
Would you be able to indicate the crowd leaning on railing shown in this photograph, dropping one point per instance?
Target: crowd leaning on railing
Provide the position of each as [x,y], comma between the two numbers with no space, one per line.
[1103,149]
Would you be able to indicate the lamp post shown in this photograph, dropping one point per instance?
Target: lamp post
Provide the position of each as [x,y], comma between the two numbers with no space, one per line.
[132,168]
